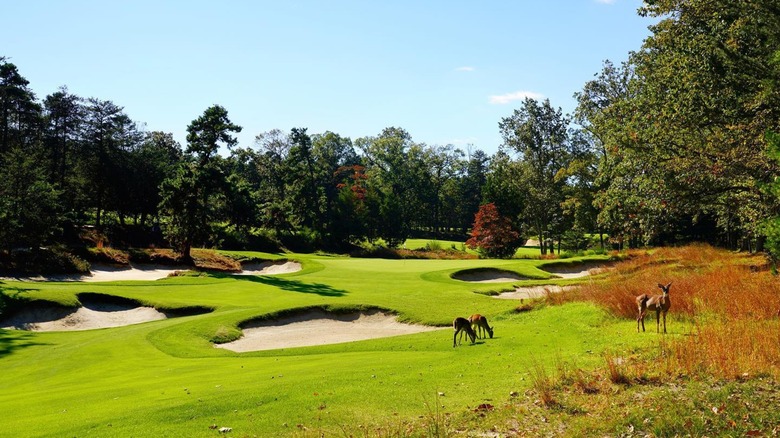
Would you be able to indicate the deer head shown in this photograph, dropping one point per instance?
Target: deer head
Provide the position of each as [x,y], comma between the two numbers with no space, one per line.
[665,288]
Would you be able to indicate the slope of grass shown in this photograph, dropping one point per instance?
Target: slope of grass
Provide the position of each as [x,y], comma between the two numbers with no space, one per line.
[575,368]
[165,378]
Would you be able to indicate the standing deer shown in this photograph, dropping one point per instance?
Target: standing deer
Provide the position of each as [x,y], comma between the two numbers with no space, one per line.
[461,325]
[480,325]
[659,303]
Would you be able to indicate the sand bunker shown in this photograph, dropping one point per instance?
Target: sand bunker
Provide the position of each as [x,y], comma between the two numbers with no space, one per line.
[318,327]
[90,316]
[270,268]
[487,276]
[156,272]
[101,272]
[530,292]
[133,272]
[577,270]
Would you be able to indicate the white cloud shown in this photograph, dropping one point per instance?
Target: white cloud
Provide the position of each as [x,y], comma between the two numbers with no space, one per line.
[465,68]
[606,2]
[503,99]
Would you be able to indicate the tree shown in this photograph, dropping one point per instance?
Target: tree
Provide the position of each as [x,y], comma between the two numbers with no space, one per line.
[442,167]
[470,187]
[195,196]
[28,202]
[109,136]
[20,114]
[621,179]
[156,159]
[702,106]
[302,181]
[209,132]
[64,117]
[392,161]
[539,134]
[189,213]
[504,186]
[276,209]
[492,234]
[334,154]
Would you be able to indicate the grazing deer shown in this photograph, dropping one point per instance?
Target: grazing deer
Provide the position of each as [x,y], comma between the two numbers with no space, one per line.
[461,325]
[480,325]
[659,303]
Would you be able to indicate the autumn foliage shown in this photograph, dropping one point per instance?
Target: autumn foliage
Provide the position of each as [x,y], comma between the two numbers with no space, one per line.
[730,301]
[492,234]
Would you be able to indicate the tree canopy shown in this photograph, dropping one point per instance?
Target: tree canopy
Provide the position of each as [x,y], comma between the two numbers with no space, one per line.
[676,143]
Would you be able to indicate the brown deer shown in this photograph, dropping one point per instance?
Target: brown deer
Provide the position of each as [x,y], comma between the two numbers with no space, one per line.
[480,325]
[659,303]
[461,325]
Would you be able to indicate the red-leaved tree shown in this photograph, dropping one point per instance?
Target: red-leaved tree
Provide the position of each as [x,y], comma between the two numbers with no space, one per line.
[492,234]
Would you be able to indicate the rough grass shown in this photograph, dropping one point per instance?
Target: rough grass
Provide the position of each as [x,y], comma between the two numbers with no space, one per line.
[732,299]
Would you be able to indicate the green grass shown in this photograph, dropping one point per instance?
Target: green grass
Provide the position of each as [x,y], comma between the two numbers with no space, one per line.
[165,378]
[524,252]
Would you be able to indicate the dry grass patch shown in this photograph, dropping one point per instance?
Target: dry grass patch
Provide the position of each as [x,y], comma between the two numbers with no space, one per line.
[731,299]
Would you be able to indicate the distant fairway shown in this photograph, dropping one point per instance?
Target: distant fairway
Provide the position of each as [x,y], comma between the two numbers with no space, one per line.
[165,378]
[522,252]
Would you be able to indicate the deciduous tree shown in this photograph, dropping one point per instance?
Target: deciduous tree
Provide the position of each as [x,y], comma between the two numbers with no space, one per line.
[492,234]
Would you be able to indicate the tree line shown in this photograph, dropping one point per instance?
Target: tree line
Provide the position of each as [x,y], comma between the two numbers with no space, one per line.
[674,144]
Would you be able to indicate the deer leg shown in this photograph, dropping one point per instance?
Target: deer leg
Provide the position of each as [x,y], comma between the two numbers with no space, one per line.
[640,318]
[658,321]
[664,322]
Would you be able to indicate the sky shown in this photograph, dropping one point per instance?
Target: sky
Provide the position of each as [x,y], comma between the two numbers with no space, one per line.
[445,71]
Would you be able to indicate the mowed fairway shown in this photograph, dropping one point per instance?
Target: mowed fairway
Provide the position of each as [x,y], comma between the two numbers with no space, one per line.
[165,378]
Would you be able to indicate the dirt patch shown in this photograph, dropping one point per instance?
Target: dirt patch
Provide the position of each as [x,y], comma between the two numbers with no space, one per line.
[270,268]
[317,327]
[487,276]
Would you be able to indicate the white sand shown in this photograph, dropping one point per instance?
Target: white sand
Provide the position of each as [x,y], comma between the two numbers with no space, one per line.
[320,328]
[487,276]
[142,272]
[532,292]
[576,270]
[270,268]
[83,318]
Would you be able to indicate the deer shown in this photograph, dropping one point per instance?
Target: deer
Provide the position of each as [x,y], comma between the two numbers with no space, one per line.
[461,325]
[659,303]
[480,325]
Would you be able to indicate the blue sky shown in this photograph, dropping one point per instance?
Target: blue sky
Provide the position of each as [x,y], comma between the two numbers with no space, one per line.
[446,71]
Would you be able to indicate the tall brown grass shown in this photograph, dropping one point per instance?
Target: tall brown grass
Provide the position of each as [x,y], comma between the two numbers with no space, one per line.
[732,301]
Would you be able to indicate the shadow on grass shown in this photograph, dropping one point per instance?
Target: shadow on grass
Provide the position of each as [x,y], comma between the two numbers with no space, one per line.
[13,340]
[293,285]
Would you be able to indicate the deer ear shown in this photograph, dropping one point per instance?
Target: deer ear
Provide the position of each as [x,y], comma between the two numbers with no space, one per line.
[660,285]
[669,285]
